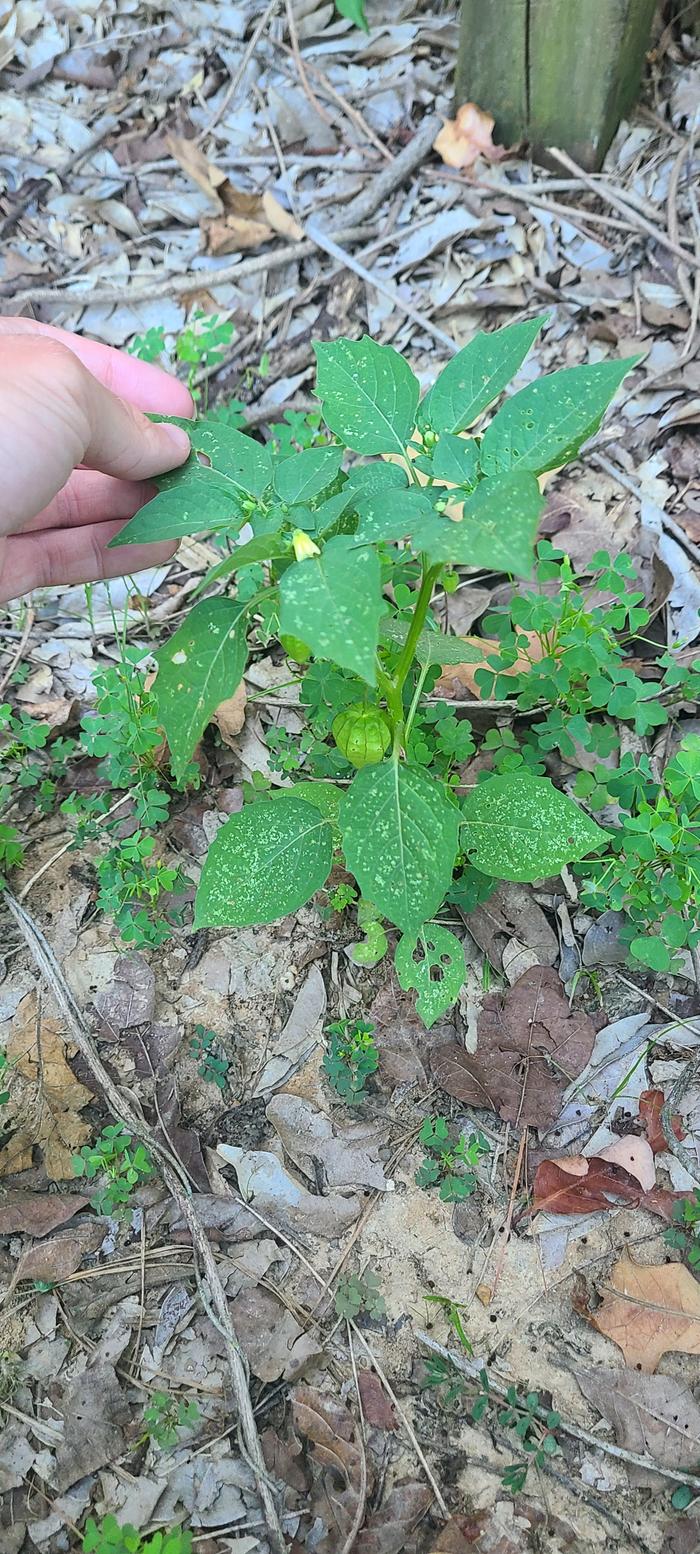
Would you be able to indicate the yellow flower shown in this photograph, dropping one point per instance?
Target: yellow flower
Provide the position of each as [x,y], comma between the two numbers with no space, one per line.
[304,546]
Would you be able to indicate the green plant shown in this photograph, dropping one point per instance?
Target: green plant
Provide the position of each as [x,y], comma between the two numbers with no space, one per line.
[202,343]
[360,1293]
[351,1057]
[165,1415]
[452,1310]
[685,1232]
[355,12]
[115,1166]
[205,1048]
[351,559]
[443,1378]
[450,1159]
[5,1065]
[107,1537]
[531,1422]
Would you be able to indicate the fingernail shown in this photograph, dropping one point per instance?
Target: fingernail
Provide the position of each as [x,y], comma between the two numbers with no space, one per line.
[179,440]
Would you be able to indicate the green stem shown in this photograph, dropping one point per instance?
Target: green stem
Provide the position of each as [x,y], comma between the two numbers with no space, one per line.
[416,698]
[420,612]
[391,696]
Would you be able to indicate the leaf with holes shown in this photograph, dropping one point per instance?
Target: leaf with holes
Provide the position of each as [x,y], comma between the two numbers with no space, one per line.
[200,496]
[545,424]
[456,459]
[497,528]
[200,666]
[400,836]
[334,603]
[520,827]
[432,962]
[369,394]
[266,861]
[391,514]
[476,375]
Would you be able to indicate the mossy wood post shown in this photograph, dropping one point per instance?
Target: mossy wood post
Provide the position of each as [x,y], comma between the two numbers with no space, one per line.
[554,72]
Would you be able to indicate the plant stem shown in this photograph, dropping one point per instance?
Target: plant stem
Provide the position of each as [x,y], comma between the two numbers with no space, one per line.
[420,612]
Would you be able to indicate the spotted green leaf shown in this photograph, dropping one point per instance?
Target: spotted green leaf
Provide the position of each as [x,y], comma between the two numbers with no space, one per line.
[476,375]
[369,394]
[391,514]
[303,476]
[545,424]
[400,835]
[457,459]
[201,496]
[265,862]
[334,603]
[431,962]
[520,827]
[198,668]
[263,547]
[497,528]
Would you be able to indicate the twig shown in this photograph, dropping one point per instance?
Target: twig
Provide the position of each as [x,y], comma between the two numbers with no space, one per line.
[631,485]
[617,201]
[387,288]
[236,79]
[685,1079]
[301,67]
[577,1432]
[672,217]
[405,1421]
[347,108]
[361,1506]
[177,1184]
[21,645]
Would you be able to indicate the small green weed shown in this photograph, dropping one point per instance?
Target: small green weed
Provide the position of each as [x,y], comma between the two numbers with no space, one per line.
[107,1537]
[351,1057]
[450,1160]
[202,343]
[531,1423]
[115,1166]
[452,1310]
[165,1415]
[5,1067]
[685,1232]
[10,1371]
[359,1294]
[205,1048]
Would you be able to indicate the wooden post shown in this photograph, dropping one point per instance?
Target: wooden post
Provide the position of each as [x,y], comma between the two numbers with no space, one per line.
[554,72]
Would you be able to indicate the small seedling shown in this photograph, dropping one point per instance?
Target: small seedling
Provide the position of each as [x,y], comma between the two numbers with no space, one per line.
[5,1068]
[116,1166]
[685,1233]
[107,1537]
[531,1422]
[450,1160]
[342,897]
[359,1294]
[212,1067]
[165,1415]
[351,1057]
[442,1377]
[452,1310]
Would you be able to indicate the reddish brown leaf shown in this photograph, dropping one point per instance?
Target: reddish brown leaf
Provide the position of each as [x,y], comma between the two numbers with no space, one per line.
[335,1458]
[59,1257]
[651,1103]
[648,1309]
[562,1190]
[530,1045]
[399,1512]
[37,1213]
[378,1410]
[459,1534]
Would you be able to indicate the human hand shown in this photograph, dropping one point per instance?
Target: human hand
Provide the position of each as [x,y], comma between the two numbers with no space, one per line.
[76,455]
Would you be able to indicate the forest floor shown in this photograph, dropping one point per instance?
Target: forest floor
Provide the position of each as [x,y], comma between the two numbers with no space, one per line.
[263,172]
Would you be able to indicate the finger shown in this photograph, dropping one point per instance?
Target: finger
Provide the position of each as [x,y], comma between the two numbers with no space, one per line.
[90,497]
[80,555]
[55,415]
[145,385]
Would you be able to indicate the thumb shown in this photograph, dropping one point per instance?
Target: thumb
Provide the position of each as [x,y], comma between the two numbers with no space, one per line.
[122,441]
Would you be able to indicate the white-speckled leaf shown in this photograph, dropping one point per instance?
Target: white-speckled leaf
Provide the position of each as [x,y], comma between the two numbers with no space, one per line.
[369,394]
[202,496]
[391,514]
[520,827]
[497,528]
[265,862]
[474,378]
[545,424]
[431,962]
[198,668]
[303,476]
[334,603]
[400,835]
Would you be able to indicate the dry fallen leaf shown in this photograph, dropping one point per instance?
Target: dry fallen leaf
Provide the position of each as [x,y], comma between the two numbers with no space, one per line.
[60,1256]
[530,1045]
[37,1213]
[377,1407]
[387,1528]
[634,1155]
[647,1310]
[468,136]
[651,1103]
[242,219]
[230,714]
[656,1416]
[458,678]
[45,1096]
[330,1430]
[577,1185]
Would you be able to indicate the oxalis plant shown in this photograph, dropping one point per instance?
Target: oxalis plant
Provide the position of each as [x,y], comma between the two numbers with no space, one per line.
[348,555]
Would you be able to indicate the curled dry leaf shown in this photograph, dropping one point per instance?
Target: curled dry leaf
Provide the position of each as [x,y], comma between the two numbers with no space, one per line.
[45,1097]
[530,1046]
[651,1103]
[37,1213]
[649,1310]
[242,220]
[468,136]
[376,1406]
[230,715]
[577,1185]
[654,1416]
[60,1256]
[336,1458]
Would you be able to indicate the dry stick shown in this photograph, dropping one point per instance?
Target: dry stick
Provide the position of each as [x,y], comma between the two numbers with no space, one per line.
[577,1432]
[385,287]
[178,1186]
[347,108]
[301,67]
[672,218]
[631,486]
[361,1506]
[353,228]
[236,79]
[684,1081]
[617,201]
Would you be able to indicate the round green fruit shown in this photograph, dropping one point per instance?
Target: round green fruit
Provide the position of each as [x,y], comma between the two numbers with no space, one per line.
[362,734]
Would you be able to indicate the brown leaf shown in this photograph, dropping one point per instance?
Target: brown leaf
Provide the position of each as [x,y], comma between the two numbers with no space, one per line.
[648,1310]
[399,1512]
[459,1534]
[96,1413]
[193,162]
[60,1256]
[466,137]
[230,714]
[377,1407]
[577,1185]
[530,1045]
[634,1155]
[651,1103]
[129,999]
[654,1416]
[230,234]
[45,1097]
[37,1213]
[273,1342]
[281,220]
[336,1459]
[458,678]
